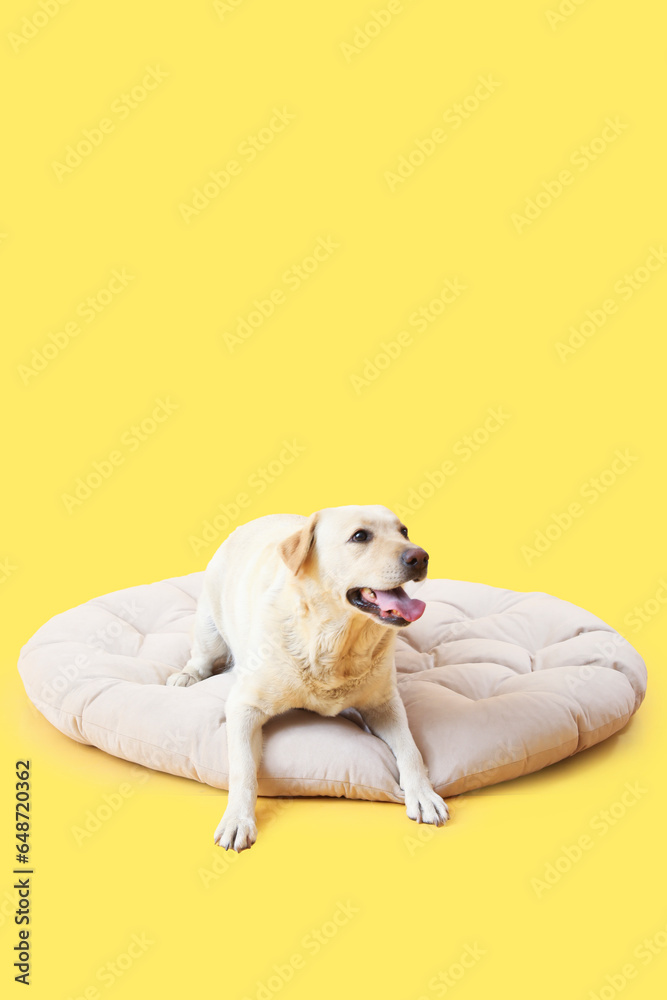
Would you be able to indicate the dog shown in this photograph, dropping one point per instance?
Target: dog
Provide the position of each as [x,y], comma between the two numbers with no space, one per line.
[305,611]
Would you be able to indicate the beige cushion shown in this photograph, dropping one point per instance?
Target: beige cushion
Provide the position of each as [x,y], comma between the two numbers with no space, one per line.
[496,684]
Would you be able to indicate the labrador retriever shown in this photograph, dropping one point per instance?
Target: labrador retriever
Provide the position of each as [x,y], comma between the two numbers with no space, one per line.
[305,611]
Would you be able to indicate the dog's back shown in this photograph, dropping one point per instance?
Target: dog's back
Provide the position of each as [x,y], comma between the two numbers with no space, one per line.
[245,573]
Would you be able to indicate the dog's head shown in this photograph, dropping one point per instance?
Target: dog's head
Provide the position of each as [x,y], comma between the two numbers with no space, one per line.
[361,557]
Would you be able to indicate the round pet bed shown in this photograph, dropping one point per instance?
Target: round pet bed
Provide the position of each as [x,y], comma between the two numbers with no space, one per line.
[496,684]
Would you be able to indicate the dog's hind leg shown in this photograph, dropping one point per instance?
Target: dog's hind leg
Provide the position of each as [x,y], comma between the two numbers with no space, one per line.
[208,649]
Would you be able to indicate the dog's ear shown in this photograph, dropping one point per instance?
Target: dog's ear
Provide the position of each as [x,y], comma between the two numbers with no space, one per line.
[294,550]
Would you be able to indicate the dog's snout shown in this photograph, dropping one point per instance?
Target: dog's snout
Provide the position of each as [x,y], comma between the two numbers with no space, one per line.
[415,559]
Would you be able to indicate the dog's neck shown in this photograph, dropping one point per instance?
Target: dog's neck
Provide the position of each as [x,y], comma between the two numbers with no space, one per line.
[336,638]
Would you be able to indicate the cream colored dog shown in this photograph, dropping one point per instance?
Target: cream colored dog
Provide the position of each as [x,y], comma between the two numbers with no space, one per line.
[305,612]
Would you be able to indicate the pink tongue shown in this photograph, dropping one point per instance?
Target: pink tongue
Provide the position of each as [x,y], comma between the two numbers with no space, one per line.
[397,602]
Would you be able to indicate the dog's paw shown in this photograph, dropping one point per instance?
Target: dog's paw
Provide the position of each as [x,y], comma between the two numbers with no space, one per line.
[236,831]
[181,679]
[426,806]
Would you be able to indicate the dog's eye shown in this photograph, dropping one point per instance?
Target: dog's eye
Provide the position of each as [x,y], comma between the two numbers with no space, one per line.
[361,536]
[404,532]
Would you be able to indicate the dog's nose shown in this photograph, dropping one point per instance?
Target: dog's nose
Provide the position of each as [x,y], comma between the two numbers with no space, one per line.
[415,559]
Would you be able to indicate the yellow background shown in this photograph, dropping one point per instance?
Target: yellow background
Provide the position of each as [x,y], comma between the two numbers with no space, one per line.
[420,902]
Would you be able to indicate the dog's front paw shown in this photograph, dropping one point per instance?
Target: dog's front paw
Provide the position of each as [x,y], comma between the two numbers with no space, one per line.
[237,831]
[181,679]
[424,805]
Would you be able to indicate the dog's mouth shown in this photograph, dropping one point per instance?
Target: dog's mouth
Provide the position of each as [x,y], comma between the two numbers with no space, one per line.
[394,607]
